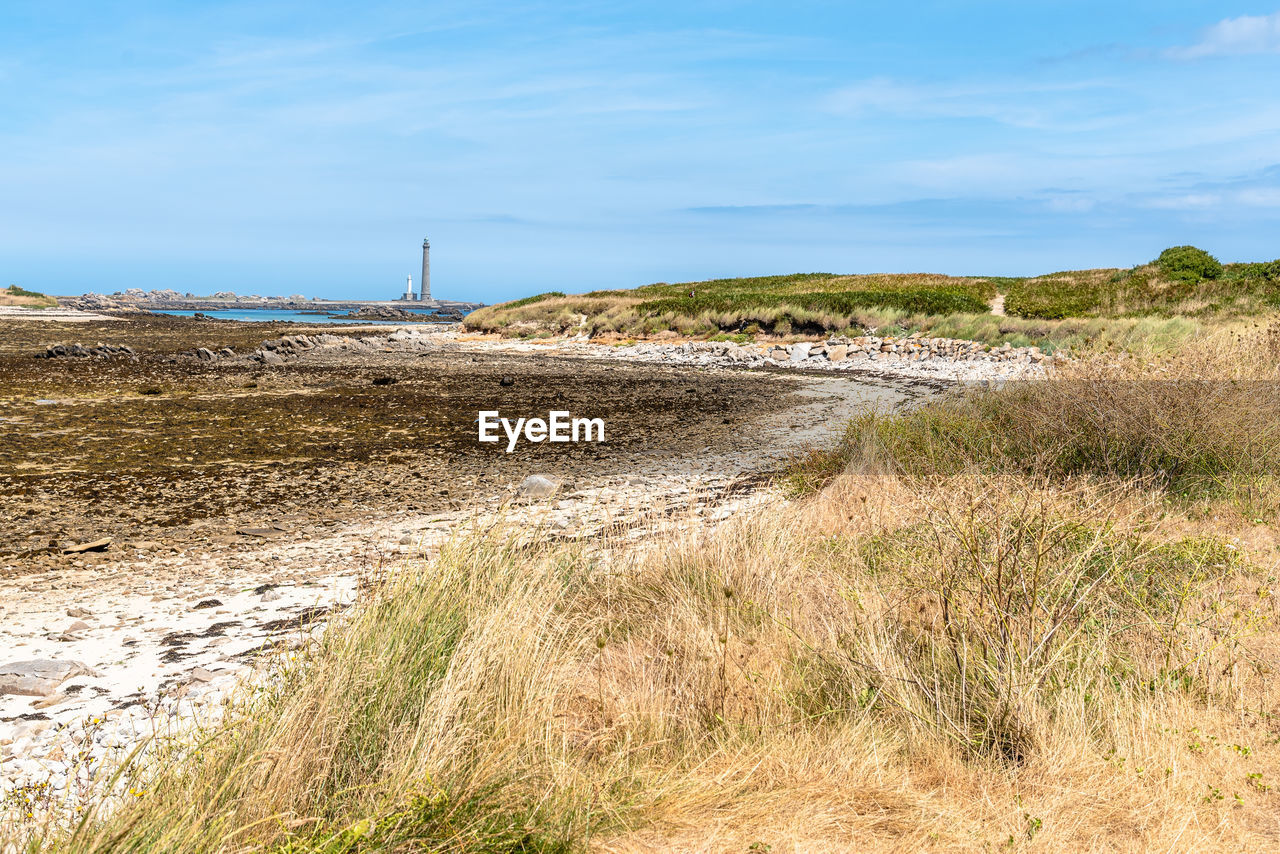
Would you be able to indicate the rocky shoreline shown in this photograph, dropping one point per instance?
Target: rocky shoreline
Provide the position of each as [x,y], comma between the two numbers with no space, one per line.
[946,358]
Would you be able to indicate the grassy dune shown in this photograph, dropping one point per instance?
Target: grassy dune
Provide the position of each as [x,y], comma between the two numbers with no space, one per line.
[14,295]
[1240,290]
[1020,620]
[805,302]
[1152,306]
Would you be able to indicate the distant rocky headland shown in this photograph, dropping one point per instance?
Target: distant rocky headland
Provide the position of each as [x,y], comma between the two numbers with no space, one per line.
[167,299]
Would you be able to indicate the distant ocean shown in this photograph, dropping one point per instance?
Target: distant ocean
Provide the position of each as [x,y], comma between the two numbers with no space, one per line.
[266,315]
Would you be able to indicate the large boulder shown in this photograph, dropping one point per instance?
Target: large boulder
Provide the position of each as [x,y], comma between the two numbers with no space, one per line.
[537,486]
[39,677]
[800,351]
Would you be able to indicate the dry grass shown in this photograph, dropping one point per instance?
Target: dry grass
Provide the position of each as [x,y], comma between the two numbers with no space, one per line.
[14,295]
[1201,421]
[893,664]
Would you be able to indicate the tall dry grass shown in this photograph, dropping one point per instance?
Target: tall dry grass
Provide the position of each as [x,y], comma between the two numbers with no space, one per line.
[891,665]
[1201,421]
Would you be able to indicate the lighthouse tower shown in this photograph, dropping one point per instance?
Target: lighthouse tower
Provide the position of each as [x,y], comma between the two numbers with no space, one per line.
[408,288]
[424,284]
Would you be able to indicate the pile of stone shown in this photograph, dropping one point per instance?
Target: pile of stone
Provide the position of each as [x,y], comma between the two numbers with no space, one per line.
[79,351]
[913,356]
[381,312]
[94,302]
[278,350]
[204,354]
[914,348]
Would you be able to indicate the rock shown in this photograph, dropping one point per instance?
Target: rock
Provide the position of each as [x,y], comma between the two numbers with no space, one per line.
[378,312]
[507,381]
[800,351]
[778,354]
[837,352]
[260,532]
[538,486]
[39,677]
[78,613]
[201,674]
[385,380]
[270,358]
[95,546]
[205,355]
[77,626]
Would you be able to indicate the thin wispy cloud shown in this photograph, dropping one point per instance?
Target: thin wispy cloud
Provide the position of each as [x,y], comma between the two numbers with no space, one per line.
[1242,36]
[1078,104]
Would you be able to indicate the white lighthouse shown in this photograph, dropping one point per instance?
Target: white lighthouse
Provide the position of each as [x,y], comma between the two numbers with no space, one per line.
[408,288]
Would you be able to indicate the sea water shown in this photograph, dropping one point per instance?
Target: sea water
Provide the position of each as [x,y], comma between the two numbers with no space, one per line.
[265,315]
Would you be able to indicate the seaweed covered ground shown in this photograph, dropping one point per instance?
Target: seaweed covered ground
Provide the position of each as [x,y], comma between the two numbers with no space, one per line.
[166,447]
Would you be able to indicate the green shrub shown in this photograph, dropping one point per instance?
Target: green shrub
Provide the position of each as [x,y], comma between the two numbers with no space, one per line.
[1052,298]
[1267,272]
[839,302]
[1188,264]
[531,300]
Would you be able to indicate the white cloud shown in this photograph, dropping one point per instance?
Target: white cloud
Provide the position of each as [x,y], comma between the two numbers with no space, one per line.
[1247,34]
[1245,197]
[1035,105]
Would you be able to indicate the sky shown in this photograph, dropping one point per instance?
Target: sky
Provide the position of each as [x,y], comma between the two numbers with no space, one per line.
[281,147]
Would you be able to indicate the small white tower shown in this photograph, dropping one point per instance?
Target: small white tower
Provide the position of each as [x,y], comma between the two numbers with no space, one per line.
[408,288]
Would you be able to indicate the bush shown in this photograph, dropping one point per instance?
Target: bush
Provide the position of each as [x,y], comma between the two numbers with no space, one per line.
[531,300]
[1053,297]
[837,302]
[1188,264]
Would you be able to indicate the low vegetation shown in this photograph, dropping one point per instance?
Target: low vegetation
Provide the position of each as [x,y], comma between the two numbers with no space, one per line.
[1152,306]
[1202,421]
[14,295]
[1039,618]
[1183,281]
[782,305]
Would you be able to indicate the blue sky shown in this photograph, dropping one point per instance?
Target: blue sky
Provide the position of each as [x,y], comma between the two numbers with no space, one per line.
[307,147]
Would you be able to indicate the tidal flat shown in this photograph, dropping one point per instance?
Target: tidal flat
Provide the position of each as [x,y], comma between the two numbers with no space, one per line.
[163,447]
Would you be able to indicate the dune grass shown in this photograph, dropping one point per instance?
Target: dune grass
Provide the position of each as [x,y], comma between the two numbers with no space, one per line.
[1151,306]
[1239,290]
[604,316]
[15,295]
[1006,665]
[1200,420]
[800,303]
